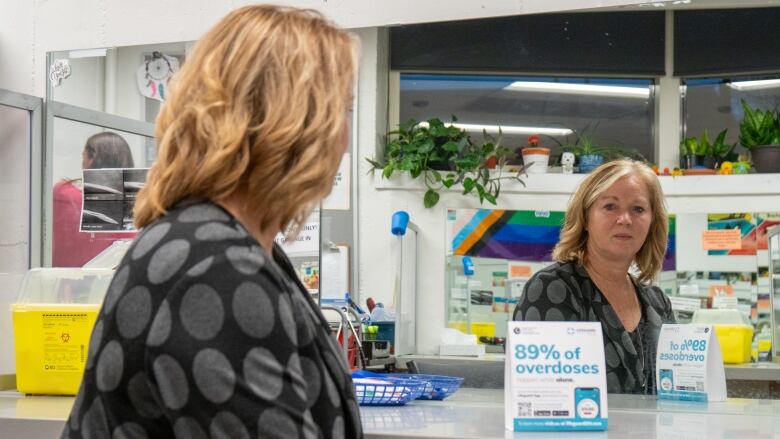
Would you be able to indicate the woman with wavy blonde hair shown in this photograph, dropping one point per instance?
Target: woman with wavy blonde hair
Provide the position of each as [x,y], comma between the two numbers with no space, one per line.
[205,330]
[616,220]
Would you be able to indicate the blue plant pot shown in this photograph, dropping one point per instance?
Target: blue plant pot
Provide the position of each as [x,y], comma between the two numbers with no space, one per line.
[589,162]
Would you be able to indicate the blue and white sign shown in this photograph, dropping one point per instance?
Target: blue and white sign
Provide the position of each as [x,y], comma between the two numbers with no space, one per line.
[555,377]
[689,365]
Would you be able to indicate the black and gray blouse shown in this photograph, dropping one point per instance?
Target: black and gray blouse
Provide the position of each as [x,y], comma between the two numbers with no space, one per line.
[203,334]
[565,292]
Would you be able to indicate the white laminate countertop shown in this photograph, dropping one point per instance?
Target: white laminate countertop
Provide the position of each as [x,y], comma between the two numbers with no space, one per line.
[479,413]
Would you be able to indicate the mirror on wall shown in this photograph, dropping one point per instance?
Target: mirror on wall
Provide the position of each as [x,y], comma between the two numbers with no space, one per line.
[129,81]
[132,82]
[713,261]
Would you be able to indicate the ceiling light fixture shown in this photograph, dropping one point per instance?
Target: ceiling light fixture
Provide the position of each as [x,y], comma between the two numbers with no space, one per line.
[507,129]
[581,89]
[754,85]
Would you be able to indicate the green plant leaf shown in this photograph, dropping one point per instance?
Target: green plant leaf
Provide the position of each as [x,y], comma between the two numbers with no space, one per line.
[448,182]
[467,164]
[375,164]
[468,185]
[408,162]
[388,171]
[450,146]
[431,198]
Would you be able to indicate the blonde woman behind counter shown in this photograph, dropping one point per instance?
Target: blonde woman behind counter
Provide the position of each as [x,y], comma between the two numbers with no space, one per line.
[205,330]
[615,219]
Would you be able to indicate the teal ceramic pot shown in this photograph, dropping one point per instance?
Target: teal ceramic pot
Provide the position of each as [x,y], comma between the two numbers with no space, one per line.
[589,162]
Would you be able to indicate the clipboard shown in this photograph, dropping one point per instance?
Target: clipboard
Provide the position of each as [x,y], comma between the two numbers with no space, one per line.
[335,272]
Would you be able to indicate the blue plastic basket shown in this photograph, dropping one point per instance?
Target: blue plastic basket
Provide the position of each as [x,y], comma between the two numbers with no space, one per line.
[395,391]
[436,387]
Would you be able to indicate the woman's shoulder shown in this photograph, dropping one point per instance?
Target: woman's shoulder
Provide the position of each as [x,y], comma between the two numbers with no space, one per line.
[66,188]
[569,271]
[193,238]
[561,276]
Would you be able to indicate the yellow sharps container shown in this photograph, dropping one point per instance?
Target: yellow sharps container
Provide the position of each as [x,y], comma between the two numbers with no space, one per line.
[52,320]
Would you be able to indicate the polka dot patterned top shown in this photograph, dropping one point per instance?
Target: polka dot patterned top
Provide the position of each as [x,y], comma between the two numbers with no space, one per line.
[565,292]
[202,334]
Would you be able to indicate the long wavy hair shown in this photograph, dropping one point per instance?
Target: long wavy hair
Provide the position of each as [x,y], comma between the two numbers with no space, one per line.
[572,247]
[258,109]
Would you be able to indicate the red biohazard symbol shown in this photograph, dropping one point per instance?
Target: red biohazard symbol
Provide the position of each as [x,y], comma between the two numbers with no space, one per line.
[65,337]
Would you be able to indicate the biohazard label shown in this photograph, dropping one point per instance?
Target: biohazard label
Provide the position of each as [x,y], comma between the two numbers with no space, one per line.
[65,336]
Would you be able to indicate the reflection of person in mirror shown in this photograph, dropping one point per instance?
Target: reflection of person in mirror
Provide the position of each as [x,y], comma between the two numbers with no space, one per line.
[71,247]
[612,245]
[206,330]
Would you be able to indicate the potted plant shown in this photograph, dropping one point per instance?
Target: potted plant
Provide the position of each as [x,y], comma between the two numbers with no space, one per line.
[589,153]
[698,152]
[444,155]
[759,132]
[535,157]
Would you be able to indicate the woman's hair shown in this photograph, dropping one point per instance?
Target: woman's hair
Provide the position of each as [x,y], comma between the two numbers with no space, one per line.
[108,150]
[572,246]
[259,110]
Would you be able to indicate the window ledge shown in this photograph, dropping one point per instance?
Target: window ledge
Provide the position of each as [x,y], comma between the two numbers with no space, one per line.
[685,186]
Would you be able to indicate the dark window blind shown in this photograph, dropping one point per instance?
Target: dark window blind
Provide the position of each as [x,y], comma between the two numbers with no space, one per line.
[602,43]
[726,41]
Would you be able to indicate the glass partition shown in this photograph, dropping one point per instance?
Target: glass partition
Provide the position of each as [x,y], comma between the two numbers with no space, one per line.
[774,285]
[20,148]
[614,113]
[69,130]
[15,189]
[97,85]
[714,104]
[508,247]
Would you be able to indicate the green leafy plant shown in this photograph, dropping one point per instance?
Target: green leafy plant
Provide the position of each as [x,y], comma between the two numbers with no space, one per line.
[701,145]
[759,127]
[582,142]
[443,156]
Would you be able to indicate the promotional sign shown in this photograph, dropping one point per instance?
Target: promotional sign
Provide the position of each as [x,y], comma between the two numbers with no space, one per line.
[555,377]
[689,365]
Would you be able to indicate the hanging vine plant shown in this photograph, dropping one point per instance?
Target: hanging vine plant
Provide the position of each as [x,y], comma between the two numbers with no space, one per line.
[444,155]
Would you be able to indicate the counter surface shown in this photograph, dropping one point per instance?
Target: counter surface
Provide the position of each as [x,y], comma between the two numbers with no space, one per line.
[478,413]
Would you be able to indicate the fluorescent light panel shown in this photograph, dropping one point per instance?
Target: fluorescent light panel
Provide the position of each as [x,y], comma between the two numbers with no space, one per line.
[581,89]
[87,53]
[507,129]
[754,85]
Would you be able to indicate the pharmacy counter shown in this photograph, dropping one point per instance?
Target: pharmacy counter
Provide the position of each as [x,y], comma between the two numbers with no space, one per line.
[477,413]
[752,380]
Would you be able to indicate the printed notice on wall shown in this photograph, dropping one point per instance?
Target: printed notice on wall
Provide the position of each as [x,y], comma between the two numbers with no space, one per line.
[339,195]
[109,197]
[725,239]
[307,243]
